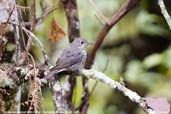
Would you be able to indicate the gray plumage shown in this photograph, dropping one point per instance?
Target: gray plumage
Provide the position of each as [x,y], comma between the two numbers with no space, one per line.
[72,58]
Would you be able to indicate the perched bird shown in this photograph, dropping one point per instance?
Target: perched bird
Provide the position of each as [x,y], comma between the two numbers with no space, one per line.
[72,58]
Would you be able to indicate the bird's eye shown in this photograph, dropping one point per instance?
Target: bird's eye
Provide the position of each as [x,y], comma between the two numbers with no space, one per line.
[82,42]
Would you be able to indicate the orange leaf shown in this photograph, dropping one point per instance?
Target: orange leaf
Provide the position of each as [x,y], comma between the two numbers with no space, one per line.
[56,32]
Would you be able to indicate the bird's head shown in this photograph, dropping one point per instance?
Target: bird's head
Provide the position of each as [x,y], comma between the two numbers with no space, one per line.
[81,43]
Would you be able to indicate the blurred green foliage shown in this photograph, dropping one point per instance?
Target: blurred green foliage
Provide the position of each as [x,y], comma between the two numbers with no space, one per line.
[137,49]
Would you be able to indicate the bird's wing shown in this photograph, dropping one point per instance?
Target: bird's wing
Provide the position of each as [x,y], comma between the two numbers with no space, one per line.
[68,58]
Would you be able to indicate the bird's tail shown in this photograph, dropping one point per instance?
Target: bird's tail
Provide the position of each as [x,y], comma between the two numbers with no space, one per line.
[49,75]
[52,73]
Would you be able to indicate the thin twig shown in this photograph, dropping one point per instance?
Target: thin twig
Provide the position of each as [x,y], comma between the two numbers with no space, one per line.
[40,44]
[36,39]
[17,36]
[46,12]
[11,13]
[20,18]
[99,12]
[100,20]
[35,90]
[125,8]
[33,23]
[22,7]
[39,20]
[164,12]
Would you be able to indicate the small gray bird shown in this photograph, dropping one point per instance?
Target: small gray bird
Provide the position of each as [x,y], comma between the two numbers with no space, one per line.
[72,58]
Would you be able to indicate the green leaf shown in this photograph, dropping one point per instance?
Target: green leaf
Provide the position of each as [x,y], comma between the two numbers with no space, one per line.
[134,71]
[152,60]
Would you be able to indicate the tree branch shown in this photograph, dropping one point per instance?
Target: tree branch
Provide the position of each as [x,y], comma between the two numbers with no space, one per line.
[33,17]
[17,35]
[70,7]
[126,7]
[40,44]
[133,96]
[33,24]
[96,75]
[58,99]
[164,12]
